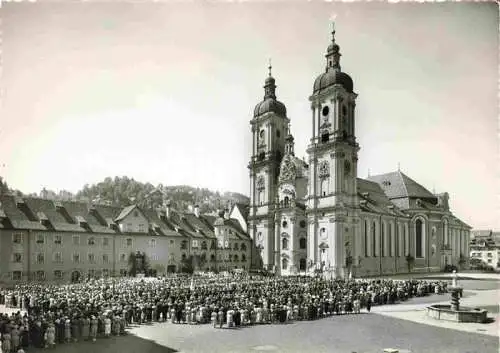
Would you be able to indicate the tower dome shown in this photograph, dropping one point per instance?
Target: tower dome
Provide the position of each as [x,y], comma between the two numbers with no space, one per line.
[333,74]
[270,103]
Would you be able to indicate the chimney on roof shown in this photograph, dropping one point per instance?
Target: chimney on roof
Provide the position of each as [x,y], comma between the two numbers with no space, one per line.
[226,213]
[197,211]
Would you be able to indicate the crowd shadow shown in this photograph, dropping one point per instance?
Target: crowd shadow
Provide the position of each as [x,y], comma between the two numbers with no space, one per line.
[129,343]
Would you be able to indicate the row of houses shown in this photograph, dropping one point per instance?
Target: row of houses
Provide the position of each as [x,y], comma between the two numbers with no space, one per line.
[485,249]
[47,240]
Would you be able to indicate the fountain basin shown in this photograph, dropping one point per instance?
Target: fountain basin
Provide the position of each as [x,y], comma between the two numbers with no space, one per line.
[464,314]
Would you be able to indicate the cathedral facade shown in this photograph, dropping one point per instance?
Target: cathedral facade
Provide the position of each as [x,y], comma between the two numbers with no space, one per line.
[318,216]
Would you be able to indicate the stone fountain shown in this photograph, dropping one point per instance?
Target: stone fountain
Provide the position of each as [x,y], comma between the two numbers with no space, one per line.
[455,290]
[454,312]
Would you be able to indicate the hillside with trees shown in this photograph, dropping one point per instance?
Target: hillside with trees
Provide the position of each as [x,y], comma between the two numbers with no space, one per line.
[125,191]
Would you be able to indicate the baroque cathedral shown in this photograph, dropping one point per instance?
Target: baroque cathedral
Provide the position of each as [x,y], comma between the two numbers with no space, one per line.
[318,216]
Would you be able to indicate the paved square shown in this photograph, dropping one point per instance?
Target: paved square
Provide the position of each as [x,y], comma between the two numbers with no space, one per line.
[401,326]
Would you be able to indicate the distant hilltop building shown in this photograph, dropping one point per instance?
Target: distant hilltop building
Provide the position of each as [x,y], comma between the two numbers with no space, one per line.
[319,216]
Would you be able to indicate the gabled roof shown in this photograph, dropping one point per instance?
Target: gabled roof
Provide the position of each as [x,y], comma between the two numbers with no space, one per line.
[243,208]
[399,185]
[108,212]
[125,212]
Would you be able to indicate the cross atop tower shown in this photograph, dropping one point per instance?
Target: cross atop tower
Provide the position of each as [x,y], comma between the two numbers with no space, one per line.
[270,67]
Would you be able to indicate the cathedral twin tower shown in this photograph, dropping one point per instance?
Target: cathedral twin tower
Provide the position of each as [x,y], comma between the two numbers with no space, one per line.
[304,216]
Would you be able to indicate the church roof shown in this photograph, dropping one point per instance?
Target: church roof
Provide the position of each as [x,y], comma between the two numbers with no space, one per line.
[373,199]
[399,185]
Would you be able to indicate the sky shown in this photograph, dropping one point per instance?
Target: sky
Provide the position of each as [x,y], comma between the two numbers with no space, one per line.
[164,92]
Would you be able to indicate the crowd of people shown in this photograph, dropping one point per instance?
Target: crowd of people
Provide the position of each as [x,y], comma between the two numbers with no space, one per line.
[44,315]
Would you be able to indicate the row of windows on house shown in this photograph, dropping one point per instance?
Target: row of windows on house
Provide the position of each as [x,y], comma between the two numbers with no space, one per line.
[17,238]
[478,254]
[59,274]
[57,258]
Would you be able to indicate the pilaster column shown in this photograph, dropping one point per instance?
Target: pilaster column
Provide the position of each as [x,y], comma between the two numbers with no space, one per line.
[313,123]
[277,244]
[353,120]
[335,113]
[254,149]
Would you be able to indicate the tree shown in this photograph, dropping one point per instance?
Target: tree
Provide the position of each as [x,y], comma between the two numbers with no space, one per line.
[199,261]
[410,260]
[187,265]
[461,261]
[138,263]
[4,188]
[159,269]
[132,264]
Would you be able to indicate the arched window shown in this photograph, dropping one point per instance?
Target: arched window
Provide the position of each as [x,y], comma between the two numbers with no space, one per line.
[236,259]
[302,265]
[243,247]
[284,244]
[390,240]
[284,264]
[287,201]
[419,238]
[406,238]
[235,247]
[302,243]
[366,238]
[204,245]
[260,200]
[382,240]
[401,242]
[212,258]
[374,239]
[324,187]
[243,258]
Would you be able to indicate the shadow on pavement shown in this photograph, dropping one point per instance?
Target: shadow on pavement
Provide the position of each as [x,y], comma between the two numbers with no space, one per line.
[123,344]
